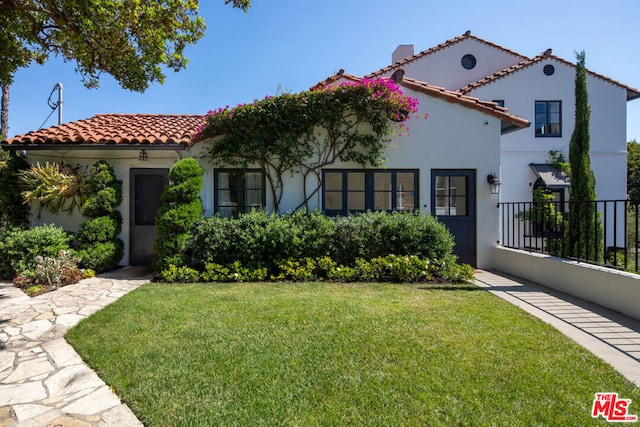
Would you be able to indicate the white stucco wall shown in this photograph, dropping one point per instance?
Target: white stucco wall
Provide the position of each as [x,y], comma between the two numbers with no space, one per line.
[443,67]
[616,290]
[453,137]
[122,161]
[607,127]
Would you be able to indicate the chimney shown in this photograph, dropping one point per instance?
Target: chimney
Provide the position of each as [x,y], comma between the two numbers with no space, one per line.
[402,51]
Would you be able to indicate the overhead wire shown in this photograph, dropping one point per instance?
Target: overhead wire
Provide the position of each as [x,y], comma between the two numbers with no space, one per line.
[52,105]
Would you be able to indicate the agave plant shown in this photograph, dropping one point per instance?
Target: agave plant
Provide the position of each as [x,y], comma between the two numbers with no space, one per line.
[57,187]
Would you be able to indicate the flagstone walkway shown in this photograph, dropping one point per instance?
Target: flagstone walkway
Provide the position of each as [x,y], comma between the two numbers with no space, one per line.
[43,381]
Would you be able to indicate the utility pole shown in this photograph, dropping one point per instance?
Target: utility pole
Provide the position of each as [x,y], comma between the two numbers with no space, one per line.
[58,104]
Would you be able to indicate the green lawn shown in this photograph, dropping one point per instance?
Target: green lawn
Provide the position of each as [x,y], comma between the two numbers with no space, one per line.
[340,354]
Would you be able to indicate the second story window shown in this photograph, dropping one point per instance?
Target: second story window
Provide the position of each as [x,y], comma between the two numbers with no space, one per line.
[548,118]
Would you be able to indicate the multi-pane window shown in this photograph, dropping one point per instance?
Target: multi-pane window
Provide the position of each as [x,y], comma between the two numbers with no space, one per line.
[238,191]
[347,191]
[452,195]
[548,118]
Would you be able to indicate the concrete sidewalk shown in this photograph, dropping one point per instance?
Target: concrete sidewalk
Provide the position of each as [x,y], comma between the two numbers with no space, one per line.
[43,381]
[612,336]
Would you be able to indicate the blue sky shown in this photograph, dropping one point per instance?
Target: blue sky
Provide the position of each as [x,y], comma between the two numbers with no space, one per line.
[292,44]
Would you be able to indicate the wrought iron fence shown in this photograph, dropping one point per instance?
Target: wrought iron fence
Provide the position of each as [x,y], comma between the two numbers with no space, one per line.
[602,232]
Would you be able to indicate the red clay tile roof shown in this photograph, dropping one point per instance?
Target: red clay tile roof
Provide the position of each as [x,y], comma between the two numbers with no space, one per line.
[465,36]
[161,130]
[631,92]
[332,79]
[455,97]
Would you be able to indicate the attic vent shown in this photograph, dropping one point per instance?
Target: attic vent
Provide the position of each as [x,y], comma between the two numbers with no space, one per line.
[468,61]
[548,70]
[397,75]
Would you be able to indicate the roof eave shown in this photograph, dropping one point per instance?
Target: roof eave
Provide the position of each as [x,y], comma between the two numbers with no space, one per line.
[508,127]
[81,146]
[632,94]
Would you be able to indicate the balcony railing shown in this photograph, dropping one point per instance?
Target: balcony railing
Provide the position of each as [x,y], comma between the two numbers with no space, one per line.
[602,232]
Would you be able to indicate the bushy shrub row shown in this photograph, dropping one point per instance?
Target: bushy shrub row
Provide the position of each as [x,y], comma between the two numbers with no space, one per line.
[40,259]
[258,239]
[19,248]
[303,246]
[391,268]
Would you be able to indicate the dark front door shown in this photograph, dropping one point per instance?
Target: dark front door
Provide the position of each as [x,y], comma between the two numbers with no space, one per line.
[146,188]
[453,202]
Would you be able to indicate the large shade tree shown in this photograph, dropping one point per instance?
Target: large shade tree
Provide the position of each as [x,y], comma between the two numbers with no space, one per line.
[132,40]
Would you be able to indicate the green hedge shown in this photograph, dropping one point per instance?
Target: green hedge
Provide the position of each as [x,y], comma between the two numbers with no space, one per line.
[19,248]
[391,268]
[258,240]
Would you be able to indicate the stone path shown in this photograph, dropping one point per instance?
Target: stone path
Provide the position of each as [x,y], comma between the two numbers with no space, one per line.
[43,381]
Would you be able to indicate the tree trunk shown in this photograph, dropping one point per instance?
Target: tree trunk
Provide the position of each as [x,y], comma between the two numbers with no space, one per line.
[4,116]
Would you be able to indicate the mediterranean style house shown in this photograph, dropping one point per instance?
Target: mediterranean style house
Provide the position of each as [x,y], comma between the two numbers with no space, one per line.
[494,115]
[540,89]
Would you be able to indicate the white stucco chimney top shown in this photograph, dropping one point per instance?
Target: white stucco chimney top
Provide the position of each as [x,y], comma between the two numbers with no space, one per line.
[402,51]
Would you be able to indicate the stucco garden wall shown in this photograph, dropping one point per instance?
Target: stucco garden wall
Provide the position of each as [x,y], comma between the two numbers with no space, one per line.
[613,289]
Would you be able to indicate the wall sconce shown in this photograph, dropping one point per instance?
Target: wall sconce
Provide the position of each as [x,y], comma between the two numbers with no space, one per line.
[494,183]
[143,156]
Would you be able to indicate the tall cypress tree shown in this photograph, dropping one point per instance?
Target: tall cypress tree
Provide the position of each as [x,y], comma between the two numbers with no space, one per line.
[585,231]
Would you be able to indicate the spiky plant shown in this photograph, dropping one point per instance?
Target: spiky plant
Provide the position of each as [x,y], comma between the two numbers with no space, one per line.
[57,187]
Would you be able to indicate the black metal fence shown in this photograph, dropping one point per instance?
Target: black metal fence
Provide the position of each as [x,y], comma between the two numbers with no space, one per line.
[602,232]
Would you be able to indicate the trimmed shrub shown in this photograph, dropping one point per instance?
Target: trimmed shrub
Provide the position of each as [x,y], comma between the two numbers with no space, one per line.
[260,239]
[376,234]
[19,248]
[101,229]
[182,208]
[101,203]
[391,268]
[182,274]
[100,247]
[300,246]
[102,256]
